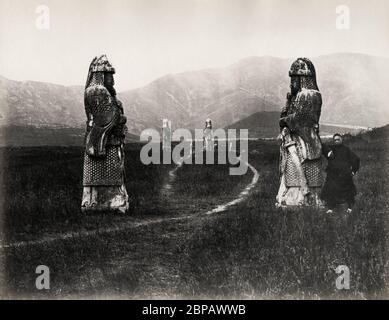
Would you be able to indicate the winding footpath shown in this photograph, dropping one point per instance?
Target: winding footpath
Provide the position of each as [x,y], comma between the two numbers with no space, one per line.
[132,224]
[242,196]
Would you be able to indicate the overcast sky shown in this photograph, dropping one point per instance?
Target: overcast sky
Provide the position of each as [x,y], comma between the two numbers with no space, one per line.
[146,39]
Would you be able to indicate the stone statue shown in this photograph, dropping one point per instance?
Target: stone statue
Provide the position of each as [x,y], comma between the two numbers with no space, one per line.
[208,136]
[104,175]
[166,135]
[301,148]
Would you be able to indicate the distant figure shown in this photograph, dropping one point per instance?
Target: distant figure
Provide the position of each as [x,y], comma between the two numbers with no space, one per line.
[301,150]
[103,179]
[166,135]
[208,136]
[343,164]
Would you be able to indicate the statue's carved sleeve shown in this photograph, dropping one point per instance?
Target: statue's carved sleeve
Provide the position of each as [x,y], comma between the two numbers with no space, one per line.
[304,121]
[103,115]
[307,113]
[284,111]
[118,132]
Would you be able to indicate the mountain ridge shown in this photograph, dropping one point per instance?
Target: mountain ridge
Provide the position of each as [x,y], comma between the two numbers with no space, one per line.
[353,87]
[265,125]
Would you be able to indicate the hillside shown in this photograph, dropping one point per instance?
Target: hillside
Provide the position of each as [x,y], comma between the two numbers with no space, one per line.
[353,87]
[265,125]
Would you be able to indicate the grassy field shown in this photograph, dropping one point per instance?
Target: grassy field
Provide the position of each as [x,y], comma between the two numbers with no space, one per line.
[256,250]
[167,248]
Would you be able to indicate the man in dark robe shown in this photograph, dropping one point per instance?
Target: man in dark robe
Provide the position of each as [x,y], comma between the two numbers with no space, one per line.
[343,164]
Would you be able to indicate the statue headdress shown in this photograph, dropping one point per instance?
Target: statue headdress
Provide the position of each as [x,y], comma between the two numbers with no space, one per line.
[102,64]
[166,123]
[97,68]
[208,123]
[304,68]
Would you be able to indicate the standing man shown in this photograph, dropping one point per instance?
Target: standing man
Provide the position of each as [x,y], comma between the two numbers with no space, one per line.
[343,164]
[103,179]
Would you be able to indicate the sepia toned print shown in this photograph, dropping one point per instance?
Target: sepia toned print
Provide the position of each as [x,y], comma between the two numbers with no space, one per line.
[168,150]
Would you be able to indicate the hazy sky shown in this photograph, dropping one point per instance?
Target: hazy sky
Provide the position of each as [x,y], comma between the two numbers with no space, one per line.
[146,39]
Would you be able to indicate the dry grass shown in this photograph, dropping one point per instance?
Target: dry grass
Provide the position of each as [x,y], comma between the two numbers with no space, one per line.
[251,251]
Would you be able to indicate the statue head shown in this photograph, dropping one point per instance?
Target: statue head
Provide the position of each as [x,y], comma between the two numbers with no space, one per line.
[109,80]
[208,123]
[302,76]
[101,73]
[166,123]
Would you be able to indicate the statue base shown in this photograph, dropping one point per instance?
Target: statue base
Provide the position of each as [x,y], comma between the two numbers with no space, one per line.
[294,196]
[105,198]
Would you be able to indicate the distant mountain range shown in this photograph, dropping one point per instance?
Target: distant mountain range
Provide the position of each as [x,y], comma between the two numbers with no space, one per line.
[353,87]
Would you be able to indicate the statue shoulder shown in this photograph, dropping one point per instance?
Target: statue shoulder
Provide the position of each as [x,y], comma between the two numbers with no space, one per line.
[97,92]
[309,95]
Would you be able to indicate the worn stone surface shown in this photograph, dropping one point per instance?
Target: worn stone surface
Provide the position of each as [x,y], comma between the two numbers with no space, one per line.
[104,173]
[301,148]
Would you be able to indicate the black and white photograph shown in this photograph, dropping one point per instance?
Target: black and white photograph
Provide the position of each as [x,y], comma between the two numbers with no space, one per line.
[214,150]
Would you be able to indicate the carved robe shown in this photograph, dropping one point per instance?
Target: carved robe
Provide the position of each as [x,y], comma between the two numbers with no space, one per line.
[301,116]
[104,174]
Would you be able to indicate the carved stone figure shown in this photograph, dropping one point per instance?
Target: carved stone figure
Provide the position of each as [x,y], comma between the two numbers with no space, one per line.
[166,135]
[104,174]
[301,148]
[208,136]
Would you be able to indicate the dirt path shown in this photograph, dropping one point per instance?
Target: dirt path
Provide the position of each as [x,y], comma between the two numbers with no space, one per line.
[242,196]
[166,189]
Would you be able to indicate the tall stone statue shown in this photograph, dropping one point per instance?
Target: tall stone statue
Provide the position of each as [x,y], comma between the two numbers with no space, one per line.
[301,148]
[104,175]
[208,136]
